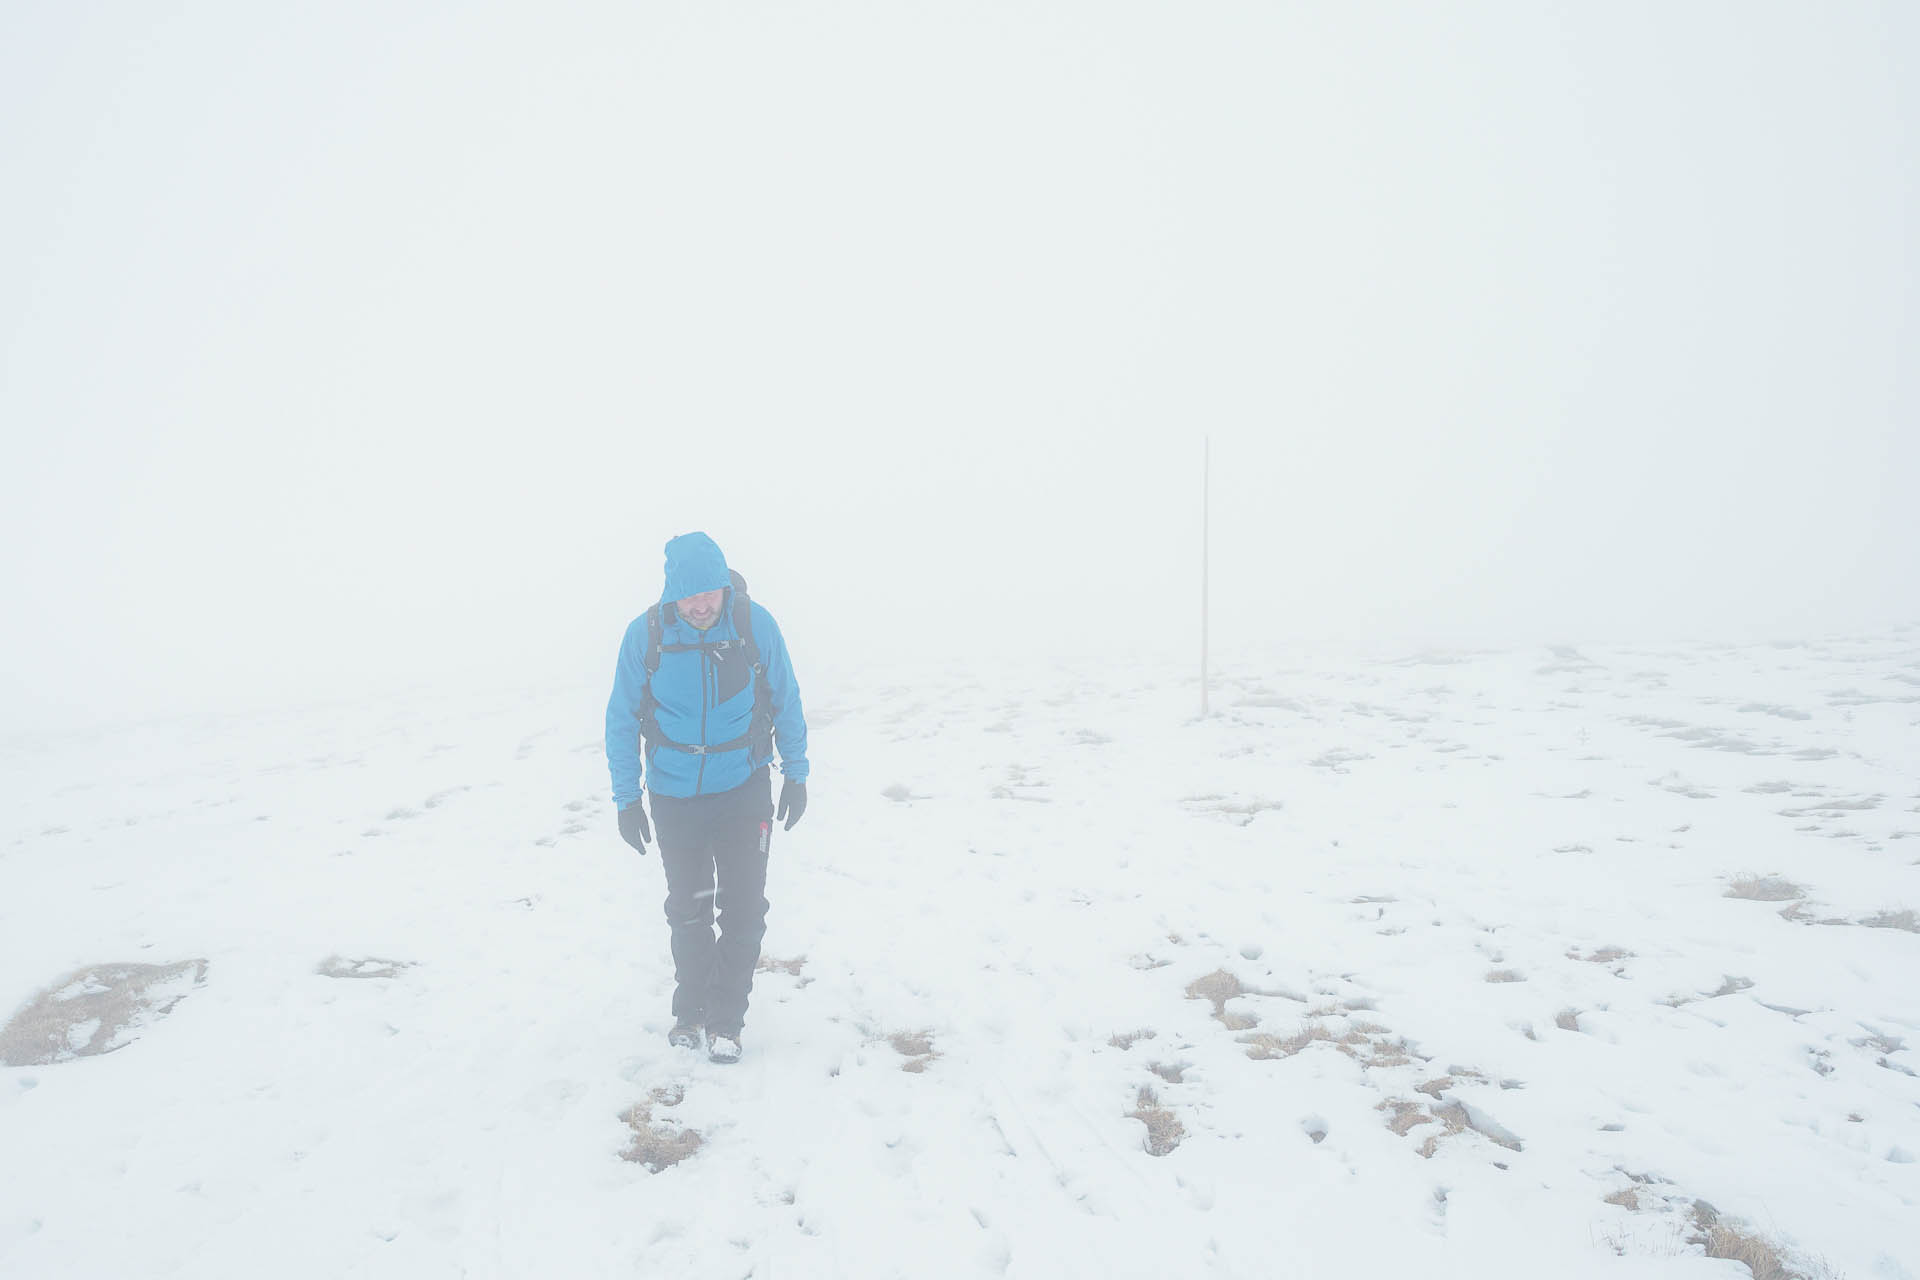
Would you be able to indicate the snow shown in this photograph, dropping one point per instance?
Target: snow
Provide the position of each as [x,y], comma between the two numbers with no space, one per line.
[1475,907]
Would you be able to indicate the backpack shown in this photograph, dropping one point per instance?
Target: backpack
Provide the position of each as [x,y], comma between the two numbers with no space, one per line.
[758,738]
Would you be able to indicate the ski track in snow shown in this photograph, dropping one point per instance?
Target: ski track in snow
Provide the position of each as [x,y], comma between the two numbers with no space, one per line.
[1462,957]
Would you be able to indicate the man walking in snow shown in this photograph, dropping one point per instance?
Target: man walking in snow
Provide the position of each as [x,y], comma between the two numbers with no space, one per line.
[702,693]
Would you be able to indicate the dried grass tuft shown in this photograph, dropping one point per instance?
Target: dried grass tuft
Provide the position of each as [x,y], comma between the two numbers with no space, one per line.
[1263,1045]
[1760,1257]
[916,1047]
[654,1145]
[1907,919]
[911,1043]
[1765,889]
[1453,1120]
[1406,1115]
[1390,1053]
[1127,1039]
[1164,1130]
[1506,975]
[1628,1199]
[1218,986]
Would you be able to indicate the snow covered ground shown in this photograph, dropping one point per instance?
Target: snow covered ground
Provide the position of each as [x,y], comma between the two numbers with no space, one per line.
[1477,966]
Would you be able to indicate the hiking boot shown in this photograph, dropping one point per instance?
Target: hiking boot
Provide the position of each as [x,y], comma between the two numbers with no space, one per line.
[724,1048]
[686,1035]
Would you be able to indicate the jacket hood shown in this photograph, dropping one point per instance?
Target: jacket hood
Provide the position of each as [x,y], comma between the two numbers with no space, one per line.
[694,564]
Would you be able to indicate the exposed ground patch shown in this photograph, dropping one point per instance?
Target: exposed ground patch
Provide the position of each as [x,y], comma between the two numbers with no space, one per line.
[1164,1130]
[916,1047]
[337,966]
[1764,889]
[1907,920]
[774,964]
[658,1144]
[1218,987]
[95,1010]
[1696,1224]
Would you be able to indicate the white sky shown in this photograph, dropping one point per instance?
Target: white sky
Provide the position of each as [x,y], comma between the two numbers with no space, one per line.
[359,345]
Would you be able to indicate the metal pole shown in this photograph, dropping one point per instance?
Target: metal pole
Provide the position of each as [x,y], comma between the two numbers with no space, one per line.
[1206,466]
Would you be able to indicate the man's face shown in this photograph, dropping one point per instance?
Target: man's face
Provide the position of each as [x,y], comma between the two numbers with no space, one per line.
[702,610]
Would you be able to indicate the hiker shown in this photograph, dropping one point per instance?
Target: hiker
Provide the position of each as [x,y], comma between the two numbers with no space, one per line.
[702,693]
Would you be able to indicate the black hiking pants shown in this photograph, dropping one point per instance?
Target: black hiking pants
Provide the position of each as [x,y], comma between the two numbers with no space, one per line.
[714,849]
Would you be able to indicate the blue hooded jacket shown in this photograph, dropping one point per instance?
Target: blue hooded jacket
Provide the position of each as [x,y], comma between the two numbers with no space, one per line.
[701,698]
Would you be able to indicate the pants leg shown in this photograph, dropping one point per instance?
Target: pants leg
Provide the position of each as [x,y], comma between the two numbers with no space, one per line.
[714,851]
[686,852]
[740,857]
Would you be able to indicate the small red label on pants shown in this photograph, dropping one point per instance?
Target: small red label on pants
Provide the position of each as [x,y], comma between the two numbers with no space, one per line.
[766,835]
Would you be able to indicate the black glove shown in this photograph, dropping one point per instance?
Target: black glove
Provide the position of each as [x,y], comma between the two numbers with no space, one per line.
[633,826]
[793,803]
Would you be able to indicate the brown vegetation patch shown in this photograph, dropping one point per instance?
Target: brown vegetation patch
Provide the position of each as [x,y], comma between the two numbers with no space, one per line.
[1390,1053]
[1406,1115]
[367,967]
[1506,975]
[1171,1072]
[773,964]
[916,1047]
[1628,1199]
[1237,1021]
[658,1144]
[1263,1044]
[1760,1257]
[1453,1120]
[1605,955]
[1907,920]
[1764,889]
[1127,1039]
[1219,987]
[94,1011]
[1434,1088]
[1164,1130]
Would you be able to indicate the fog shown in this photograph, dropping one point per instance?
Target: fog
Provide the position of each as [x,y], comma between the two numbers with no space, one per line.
[363,347]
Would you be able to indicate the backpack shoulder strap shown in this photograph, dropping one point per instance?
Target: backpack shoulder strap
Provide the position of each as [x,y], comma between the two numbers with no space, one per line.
[655,626]
[760,730]
[743,617]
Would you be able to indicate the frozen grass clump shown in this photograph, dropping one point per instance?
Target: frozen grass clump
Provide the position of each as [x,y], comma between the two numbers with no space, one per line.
[1906,919]
[1765,889]
[658,1145]
[1164,1130]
